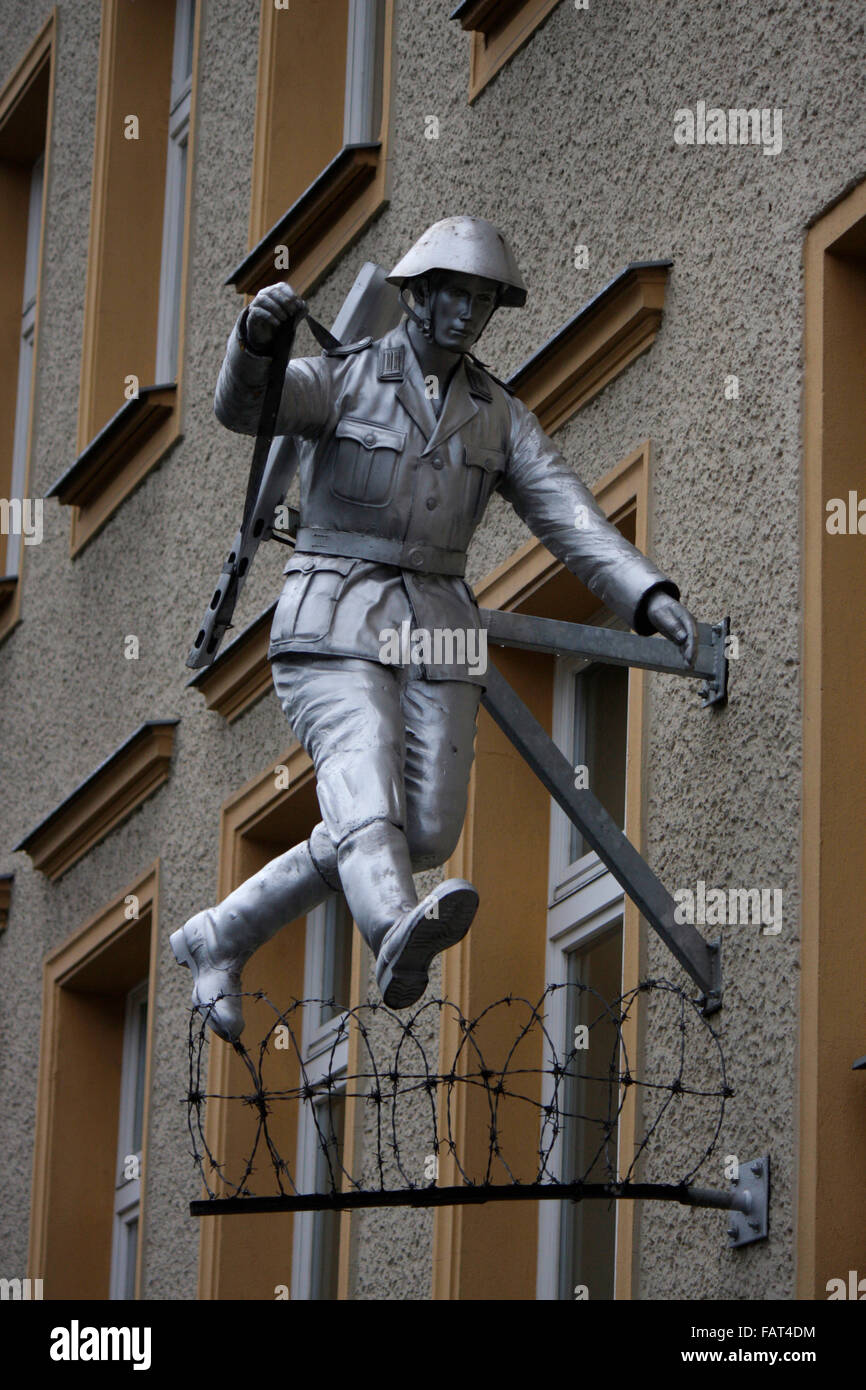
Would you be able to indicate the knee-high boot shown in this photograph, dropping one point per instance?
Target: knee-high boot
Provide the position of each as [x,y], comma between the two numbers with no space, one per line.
[217,943]
[403,933]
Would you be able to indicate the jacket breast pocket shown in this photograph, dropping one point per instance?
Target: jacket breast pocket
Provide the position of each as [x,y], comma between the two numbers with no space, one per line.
[483,471]
[311,588]
[365,460]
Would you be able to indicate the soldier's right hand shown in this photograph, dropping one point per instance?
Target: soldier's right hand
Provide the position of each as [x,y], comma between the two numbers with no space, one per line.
[272,307]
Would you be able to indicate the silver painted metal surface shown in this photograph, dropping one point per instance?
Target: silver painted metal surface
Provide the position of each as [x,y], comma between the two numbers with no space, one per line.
[750,1203]
[396,470]
[470,245]
[700,958]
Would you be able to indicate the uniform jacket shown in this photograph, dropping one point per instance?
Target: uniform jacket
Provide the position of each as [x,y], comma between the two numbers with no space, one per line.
[390,497]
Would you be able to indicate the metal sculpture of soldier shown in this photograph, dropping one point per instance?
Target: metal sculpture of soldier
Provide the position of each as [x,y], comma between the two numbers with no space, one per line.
[401,443]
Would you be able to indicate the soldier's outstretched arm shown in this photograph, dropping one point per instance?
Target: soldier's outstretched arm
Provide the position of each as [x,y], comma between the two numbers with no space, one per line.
[244,373]
[556,506]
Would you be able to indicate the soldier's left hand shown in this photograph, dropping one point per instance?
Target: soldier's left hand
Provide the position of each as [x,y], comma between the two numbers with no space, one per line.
[675,622]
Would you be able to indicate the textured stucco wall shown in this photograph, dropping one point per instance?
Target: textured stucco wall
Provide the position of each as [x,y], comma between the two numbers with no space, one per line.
[572,142]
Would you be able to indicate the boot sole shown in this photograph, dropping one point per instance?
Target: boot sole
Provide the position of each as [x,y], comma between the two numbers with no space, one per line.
[403,980]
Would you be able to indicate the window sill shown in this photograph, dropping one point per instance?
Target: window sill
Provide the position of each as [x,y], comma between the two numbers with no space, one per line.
[320,224]
[595,345]
[240,674]
[498,29]
[131,774]
[117,460]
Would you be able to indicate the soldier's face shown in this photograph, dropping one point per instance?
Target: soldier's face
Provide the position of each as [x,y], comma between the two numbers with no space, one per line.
[462,306]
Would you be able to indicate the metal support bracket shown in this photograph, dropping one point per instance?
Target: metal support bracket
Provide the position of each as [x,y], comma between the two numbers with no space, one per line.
[750,1203]
[618,648]
[699,958]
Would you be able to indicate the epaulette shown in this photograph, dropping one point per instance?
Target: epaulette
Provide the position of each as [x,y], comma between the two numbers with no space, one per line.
[476,372]
[347,348]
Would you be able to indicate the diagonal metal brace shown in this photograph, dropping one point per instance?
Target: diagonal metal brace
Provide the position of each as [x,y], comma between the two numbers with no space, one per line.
[618,648]
[701,959]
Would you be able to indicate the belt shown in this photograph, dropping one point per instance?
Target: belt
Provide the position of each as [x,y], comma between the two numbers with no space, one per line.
[412,555]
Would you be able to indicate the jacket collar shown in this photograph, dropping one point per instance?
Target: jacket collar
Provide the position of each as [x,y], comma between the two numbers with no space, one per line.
[397,362]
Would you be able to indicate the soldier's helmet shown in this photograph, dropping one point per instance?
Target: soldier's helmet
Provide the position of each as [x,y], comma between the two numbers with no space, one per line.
[469,245]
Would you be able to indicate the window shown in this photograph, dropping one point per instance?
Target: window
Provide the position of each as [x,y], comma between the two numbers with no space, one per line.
[24,120]
[127,1197]
[90,1153]
[327,974]
[132,358]
[498,29]
[577,1241]
[320,157]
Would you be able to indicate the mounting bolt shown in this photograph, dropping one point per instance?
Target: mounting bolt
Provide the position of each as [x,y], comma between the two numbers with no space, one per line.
[757,1167]
[732,1229]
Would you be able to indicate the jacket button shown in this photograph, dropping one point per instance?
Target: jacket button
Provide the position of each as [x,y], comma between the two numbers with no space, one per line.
[416,557]
[370,439]
[431,503]
[437,462]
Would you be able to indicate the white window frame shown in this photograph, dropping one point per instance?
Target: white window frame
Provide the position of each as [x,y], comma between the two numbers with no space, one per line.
[323,1053]
[176,173]
[584,902]
[127,1194]
[21,436]
[362,109]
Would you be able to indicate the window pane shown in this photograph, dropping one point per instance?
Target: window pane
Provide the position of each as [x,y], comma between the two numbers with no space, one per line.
[590,1100]
[337,959]
[599,740]
[172,262]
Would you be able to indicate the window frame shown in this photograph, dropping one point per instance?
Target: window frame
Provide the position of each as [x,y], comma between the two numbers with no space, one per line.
[116,454]
[127,1195]
[106,940]
[176,178]
[324,1053]
[585,903]
[39,59]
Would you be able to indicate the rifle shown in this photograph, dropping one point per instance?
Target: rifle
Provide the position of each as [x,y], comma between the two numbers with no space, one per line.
[371,308]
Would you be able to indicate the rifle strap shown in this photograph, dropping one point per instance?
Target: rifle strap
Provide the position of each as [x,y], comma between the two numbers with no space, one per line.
[271,405]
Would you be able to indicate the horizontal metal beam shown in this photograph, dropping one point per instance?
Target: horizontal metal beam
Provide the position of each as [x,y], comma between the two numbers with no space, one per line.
[469,1196]
[700,958]
[617,648]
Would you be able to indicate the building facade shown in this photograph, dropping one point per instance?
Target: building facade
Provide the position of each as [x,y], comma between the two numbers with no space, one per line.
[685,191]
